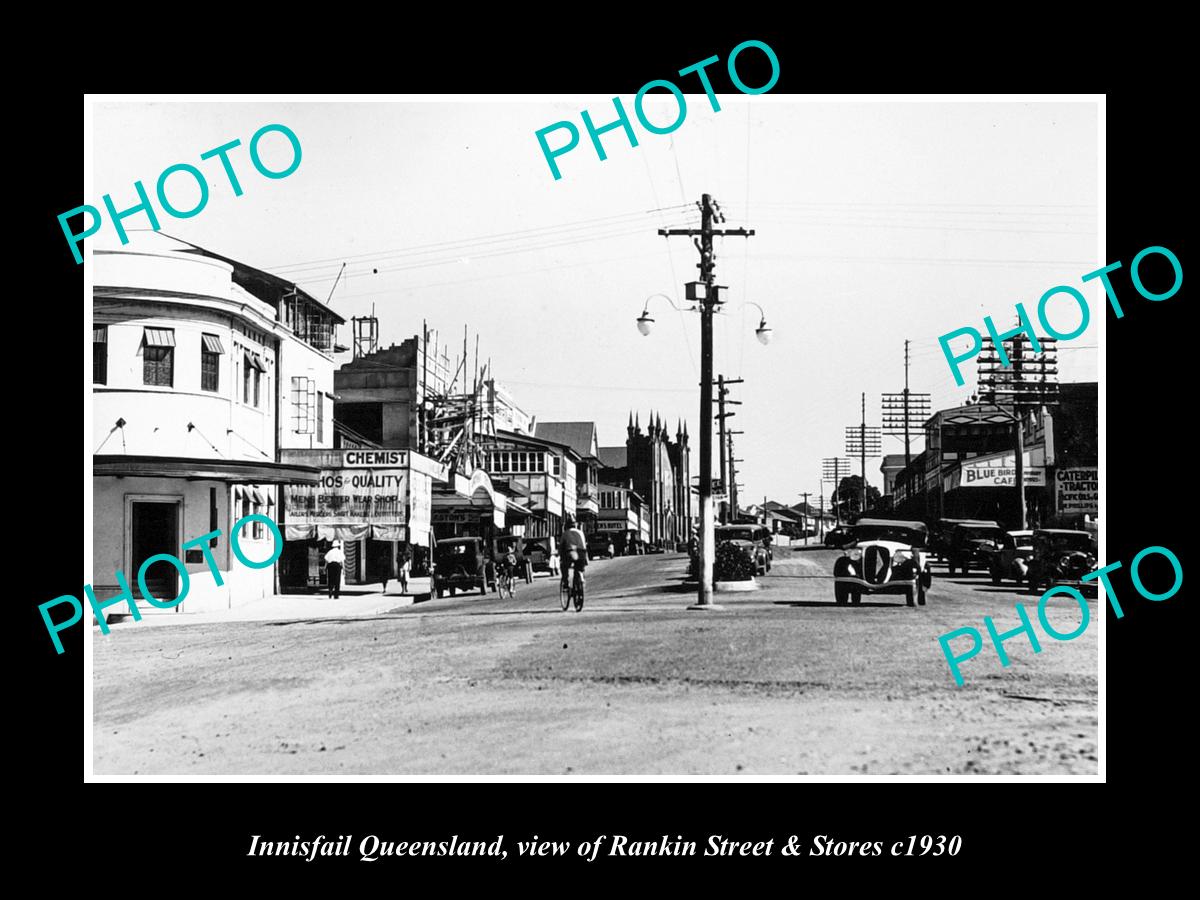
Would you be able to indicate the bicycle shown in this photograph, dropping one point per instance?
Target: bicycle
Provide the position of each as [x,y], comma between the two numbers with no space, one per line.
[505,583]
[573,594]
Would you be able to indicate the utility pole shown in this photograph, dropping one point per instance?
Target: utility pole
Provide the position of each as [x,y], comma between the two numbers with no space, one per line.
[833,470]
[862,442]
[804,521]
[707,292]
[730,490]
[733,485]
[1026,383]
[905,412]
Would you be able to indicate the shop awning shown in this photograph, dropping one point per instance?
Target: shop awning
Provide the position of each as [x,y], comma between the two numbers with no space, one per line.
[99,334]
[228,470]
[212,343]
[159,337]
[257,496]
[256,361]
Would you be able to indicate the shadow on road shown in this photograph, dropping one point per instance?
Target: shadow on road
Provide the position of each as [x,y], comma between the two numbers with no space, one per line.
[818,604]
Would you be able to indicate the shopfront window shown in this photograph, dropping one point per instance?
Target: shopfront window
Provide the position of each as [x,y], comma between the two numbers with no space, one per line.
[210,362]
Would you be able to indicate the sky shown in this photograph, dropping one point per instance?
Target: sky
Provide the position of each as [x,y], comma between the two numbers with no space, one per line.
[875,222]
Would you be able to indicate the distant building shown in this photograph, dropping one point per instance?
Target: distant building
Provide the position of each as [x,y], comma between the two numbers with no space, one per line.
[659,469]
[580,437]
[891,466]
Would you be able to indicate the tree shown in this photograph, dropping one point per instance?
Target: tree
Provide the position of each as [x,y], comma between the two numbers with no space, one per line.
[850,496]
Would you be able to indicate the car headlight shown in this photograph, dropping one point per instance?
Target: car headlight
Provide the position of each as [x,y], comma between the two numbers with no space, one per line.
[1064,561]
[854,554]
[902,556]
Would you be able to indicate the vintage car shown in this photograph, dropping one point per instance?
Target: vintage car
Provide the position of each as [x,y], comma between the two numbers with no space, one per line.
[839,536]
[1061,556]
[460,564]
[972,545]
[600,546]
[1011,558]
[755,534]
[748,539]
[941,530]
[542,554]
[885,557]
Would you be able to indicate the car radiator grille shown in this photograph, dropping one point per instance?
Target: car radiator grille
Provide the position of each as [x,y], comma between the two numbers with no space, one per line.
[875,564]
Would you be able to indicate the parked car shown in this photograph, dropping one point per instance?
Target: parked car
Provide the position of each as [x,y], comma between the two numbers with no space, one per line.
[600,545]
[755,534]
[885,557]
[459,564]
[1061,556]
[1011,558]
[972,545]
[747,539]
[941,530]
[542,554]
[839,536]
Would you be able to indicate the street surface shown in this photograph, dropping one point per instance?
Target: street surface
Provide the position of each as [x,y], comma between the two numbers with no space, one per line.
[780,682]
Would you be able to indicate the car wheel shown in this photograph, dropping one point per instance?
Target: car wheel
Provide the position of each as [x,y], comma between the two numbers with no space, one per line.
[950,567]
[966,570]
[995,576]
[841,594]
[441,593]
[855,597]
[909,600]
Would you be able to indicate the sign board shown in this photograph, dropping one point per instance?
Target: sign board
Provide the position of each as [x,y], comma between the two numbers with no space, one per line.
[1077,491]
[349,497]
[612,525]
[998,471]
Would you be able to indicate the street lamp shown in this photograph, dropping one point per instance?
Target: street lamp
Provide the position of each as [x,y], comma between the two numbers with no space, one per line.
[708,297]
[645,321]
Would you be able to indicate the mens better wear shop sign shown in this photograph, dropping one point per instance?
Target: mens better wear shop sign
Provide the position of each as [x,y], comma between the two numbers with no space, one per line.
[1078,491]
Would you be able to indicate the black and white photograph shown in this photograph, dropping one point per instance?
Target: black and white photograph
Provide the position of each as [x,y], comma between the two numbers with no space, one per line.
[698,432]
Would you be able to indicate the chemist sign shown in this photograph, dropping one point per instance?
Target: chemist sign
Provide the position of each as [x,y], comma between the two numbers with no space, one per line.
[1077,491]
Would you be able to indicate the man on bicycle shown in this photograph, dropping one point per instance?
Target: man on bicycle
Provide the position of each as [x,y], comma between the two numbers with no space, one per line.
[572,549]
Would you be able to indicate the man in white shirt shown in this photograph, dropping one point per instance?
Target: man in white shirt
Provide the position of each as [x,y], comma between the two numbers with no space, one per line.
[335,559]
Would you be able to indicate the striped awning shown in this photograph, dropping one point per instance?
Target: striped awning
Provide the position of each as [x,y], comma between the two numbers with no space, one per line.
[258,496]
[257,361]
[160,337]
[99,334]
[212,343]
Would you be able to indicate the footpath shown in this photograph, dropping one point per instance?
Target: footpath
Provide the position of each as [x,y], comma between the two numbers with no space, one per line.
[360,601]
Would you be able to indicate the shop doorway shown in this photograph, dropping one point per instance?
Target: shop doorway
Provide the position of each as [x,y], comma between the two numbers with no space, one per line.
[155,529]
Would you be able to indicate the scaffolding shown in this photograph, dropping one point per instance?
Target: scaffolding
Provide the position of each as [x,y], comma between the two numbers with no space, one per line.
[456,423]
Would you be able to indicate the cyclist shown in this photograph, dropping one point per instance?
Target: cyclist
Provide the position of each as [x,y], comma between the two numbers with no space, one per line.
[507,566]
[572,549]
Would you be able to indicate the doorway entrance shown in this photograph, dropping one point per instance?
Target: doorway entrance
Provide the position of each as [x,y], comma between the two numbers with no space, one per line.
[155,529]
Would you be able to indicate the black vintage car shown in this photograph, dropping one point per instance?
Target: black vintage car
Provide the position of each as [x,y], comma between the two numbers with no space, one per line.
[972,545]
[940,533]
[459,564]
[1061,556]
[755,535]
[839,536]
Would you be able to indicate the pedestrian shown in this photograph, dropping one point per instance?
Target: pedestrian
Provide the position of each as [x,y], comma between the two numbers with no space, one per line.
[334,560]
[403,565]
